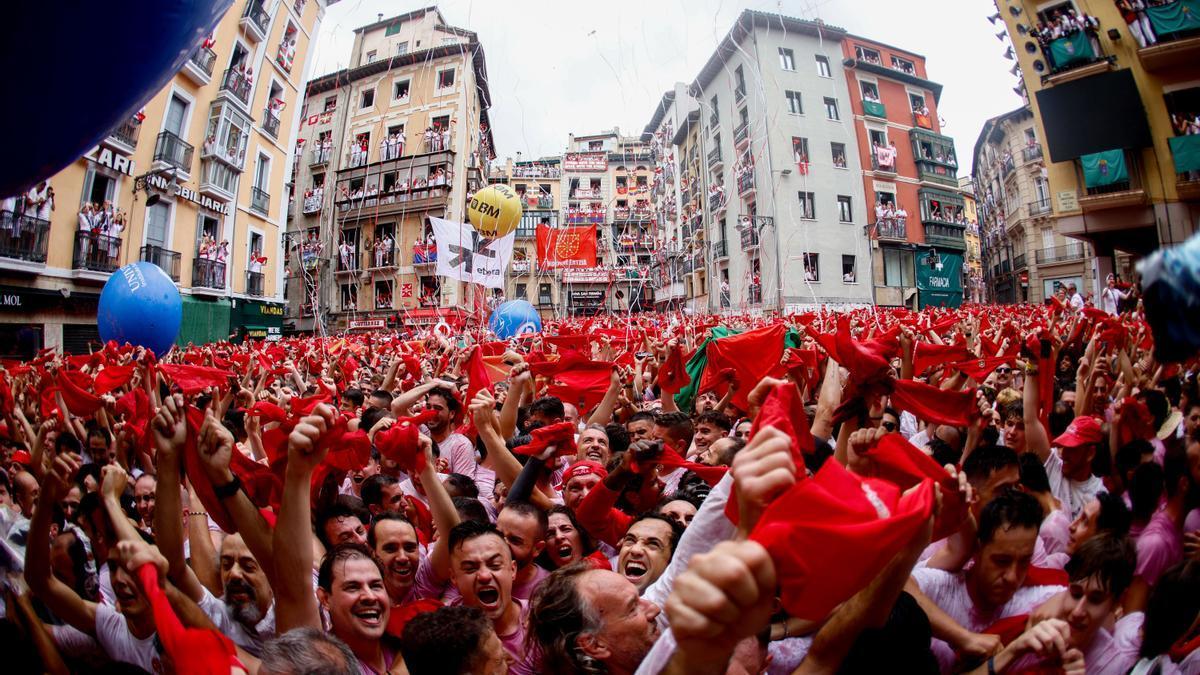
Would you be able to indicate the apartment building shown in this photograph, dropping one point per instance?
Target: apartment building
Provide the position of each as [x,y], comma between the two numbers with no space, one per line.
[910,176]
[194,183]
[539,184]
[1026,257]
[400,136]
[1121,176]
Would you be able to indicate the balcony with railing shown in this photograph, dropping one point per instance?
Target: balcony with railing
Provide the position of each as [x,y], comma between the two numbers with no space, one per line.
[318,156]
[95,253]
[125,135]
[199,66]
[256,20]
[1038,207]
[1111,180]
[922,120]
[714,158]
[717,202]
[270,123]
[745,181]
[1060,254]
[1185,150]
[208,274]
[583,216]
[587,193]
[166,259]
[313,202]
[1032,153]
[1074,56]
[720,249]
[254,284]
[1019,262]
[935,157]
[749,236]
[632,214]
[23,237]
[754,294]
[171,151]
[260,201]
[741,133]
[886,165]
[891,229]
[236,83]
[1176,26]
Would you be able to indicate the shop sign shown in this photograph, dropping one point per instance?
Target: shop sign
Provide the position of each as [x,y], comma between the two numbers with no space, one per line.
[203,201]
[587,297]
[113,160]
[368,324]
[270,334]
[587,276]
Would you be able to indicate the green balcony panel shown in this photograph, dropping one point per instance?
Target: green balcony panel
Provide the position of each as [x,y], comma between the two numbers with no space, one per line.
[1101,169]
[874,109]
[1176,17]
[1072,49]
[1186,151]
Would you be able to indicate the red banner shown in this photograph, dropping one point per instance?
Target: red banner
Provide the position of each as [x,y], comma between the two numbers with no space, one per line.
[566,247]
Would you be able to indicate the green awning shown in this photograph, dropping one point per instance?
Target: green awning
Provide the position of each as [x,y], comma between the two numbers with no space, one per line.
[1104,168]
[874,109]
[1175,17]
[1072,49]
[1186,151]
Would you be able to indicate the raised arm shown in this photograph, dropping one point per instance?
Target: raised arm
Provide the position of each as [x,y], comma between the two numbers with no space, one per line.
[170,434]
[604,411]
[59,597]
[505,465]
[441,507]
[295,602]
[1036,439]
[521,383]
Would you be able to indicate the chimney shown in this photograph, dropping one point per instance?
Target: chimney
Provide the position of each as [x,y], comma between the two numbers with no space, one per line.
[380,17]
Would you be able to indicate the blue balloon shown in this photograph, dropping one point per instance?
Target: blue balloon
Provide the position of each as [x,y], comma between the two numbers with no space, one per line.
[140,305]
[83,68]
[515,317]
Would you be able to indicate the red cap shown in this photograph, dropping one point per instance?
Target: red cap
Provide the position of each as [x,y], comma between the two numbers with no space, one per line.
[1084,430]
[22,457]
[583,467]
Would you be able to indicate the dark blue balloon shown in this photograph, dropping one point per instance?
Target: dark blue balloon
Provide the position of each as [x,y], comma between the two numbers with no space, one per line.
[515,317]
[140,305]
[75,70]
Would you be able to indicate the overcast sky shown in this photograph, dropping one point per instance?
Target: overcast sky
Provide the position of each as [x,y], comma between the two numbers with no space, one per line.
[572,66]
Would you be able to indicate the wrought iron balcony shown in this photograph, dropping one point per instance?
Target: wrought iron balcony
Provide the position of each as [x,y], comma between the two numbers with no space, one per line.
[891,229]
[270,123]
[254,284]
[96,253]
[424,254]
[741,133]
[166,259]
[260,201]
[1019,263]
[236,83]
[720,249]
[23,237]
[749,237]
[208,273]
[318,156]
[1039,207]
[173,151]
[256,19]
[199,66]
[1032,153]
[1057,254]
[745,182]
[714,158]
[127,133]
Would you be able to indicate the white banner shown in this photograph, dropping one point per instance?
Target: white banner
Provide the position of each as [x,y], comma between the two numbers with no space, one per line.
[464,255]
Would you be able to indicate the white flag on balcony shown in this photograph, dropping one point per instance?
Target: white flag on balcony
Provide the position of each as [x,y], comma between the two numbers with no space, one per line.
[465,255]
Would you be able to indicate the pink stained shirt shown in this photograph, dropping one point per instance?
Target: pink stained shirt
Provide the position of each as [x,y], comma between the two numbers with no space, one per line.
[1055,532]
[1111,653]
[524,591]
[1159,546]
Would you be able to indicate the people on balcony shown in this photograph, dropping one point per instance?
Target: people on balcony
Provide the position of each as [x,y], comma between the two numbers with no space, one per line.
[885,155]
[1134,13]
[383,300]
[346,256]
[257,260]
[286,54]
[1065,24]
[358,151]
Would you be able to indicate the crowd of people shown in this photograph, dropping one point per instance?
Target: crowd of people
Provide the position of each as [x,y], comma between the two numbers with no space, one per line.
[421,187]
[993,489]
[103,225]
[1065,23]
[211,256]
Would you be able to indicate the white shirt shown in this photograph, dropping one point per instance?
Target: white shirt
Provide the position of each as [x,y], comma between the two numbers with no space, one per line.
[1073,494]
[1076,301]
[1109,299]
[112,632]
[249,639]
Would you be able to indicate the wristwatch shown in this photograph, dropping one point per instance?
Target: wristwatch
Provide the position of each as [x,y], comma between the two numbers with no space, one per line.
[229,489]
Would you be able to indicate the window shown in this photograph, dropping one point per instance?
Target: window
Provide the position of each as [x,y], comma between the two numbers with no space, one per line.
[739,78]
[870,92]
[787,59]
[904,65]
[868,55]
[808,206]
[800,152]
[831,109]
[812,269]
[916,102]
[795,105]
[849,273]
[845,209]
[367,100]
[1042,188]
[823,66]
[158,219]
[714,118]
[400,91]
[394,28]
[838,150]
[176,111]
[543,294]
[262,172]
[349,297]
[877,137]
[330,103]
[445,78]
[521,291]
[898,268]
[402,48]
[372,55]
[595,145]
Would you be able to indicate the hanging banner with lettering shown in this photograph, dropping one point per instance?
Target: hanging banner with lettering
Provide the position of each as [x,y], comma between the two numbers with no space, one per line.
[939,281]
[566,247]
[465,255]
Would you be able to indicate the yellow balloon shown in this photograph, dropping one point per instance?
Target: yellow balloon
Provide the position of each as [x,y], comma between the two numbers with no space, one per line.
[495,211]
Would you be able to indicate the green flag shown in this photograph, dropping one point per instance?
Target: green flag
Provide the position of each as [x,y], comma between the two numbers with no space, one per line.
[1072,49]
[1104,168]
[1175,17]
[1186,150]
